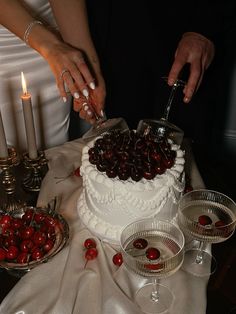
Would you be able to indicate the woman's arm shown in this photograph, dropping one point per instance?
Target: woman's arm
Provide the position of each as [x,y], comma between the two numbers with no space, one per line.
[60,56]
[73,25]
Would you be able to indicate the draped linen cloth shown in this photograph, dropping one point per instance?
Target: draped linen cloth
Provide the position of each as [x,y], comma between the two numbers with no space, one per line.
[64,285]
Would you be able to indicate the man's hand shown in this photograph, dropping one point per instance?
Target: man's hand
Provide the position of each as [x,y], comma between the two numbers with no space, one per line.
[196,50]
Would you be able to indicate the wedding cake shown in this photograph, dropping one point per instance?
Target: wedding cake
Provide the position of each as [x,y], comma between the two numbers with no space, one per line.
[127,177]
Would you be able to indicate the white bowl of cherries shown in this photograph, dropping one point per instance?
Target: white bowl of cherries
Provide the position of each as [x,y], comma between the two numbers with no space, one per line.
[30,236]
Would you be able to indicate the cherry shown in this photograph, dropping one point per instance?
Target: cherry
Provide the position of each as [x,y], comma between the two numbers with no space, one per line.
[77,172]
[39,238]
[50,233]
[3,254]
[152,253]
[91,253]
[39,218]
[155,156]
[220,224]
[168,162]
[89,243]
[136,174]
[48,245]
[93,159]
[204,220]
[123,173]
[28,215]
[140,243]
[22,258]
[108,154]
[160,168]
[92,151]
[111,172]
[5,220]
[117,259]
[9,241]
[27,232]
[8,231]
[36,254]
[153,266]
[12,252]
[50,221]
[17,223]
[149,173]
[26,245]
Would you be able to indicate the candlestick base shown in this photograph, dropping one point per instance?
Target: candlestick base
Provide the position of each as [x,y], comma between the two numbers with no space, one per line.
[8,181]
[33,179]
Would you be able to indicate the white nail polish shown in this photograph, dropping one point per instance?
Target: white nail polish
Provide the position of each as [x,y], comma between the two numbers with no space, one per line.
[76,95]
[102,113]
[64,99]
[92,85]
[85,92]
[85,108]
[89,112]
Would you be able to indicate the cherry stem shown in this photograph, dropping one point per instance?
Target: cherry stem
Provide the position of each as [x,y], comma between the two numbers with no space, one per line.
[86,263]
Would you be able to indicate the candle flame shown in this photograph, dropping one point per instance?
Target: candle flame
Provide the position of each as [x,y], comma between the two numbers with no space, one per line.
[23,82]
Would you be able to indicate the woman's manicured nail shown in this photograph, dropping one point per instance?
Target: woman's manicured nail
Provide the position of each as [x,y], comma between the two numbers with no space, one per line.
[85,107]
[102,113]
[76,95]
[92,85]
[64,99]
[85,92]
[89,112]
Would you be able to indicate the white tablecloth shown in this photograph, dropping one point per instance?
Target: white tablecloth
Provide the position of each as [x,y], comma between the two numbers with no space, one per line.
[64,286]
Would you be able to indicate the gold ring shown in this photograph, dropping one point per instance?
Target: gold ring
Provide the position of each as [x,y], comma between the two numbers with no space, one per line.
[63,72]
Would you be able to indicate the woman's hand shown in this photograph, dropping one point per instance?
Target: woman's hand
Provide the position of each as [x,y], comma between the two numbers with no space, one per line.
[91,108]
[73,75]
[196,50]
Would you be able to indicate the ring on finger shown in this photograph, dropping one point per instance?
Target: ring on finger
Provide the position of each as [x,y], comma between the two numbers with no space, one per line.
[84,107]
[63,72]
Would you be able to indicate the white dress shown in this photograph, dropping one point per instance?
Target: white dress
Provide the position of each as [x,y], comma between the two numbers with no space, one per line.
[51,114]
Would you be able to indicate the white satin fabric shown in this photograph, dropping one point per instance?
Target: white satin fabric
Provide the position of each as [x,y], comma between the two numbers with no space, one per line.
[51,114]
[64,286]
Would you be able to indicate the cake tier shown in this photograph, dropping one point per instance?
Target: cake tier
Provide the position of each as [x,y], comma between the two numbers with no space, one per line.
[108,204]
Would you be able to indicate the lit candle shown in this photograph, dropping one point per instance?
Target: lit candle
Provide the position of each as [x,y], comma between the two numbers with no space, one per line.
[29,120]
[3,142]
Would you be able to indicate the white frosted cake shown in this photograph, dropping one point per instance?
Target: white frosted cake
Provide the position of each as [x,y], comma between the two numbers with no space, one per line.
[125,181]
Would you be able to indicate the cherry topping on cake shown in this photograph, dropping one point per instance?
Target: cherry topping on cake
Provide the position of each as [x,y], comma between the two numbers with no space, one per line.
[117,259]
[140,243]
[128,154]
[204,220]
[152,253]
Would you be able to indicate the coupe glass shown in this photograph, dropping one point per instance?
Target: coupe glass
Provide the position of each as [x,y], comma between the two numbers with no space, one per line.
[208,217]
[103,125]
[162,127]
[137,240]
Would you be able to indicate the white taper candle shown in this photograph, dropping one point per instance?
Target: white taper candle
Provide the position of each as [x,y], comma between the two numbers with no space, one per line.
[29,120]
